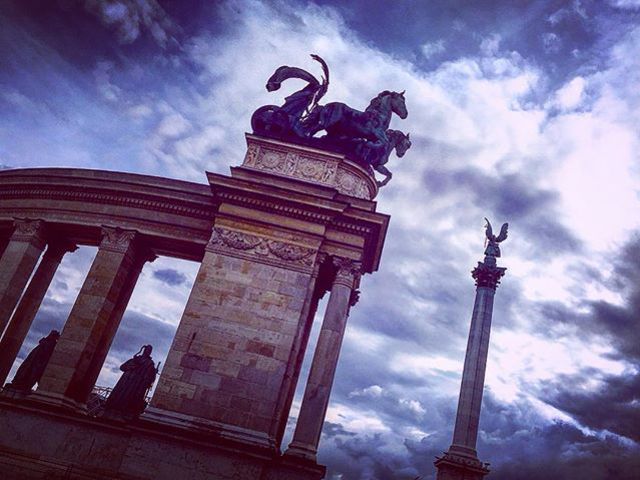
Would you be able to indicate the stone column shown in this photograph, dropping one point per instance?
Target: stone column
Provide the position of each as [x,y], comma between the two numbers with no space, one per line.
[315,291]
[17,263]
[461,461]
[325,360]
[93,321]
[29,304]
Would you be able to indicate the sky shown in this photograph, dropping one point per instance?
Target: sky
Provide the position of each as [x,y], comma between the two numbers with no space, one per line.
[522,112]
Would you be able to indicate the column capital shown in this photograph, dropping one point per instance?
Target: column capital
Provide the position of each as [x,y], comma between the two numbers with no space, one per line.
[487,275]
[29,230]
[347,271]
[117,239]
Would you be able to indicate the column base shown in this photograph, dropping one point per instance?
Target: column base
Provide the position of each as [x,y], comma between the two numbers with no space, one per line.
[58,401]
[14,393]
[223,431]
[302,451]
[460,463]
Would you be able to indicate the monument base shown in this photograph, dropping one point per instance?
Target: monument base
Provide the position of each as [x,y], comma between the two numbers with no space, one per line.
[76,446]
[460,463]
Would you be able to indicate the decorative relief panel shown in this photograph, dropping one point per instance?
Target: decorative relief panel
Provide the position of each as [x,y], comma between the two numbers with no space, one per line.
[352,185]
[329,170]
[224,239]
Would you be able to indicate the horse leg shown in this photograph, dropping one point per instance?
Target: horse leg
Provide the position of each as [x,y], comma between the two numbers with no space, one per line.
[387,175]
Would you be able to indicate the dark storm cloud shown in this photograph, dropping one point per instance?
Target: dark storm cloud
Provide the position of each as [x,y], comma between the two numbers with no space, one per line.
[170,276]
[564,36]
[614,405]
[520,444]
[512,198]
[618,323]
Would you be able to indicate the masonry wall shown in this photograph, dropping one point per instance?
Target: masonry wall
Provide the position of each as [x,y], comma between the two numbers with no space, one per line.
[238,334]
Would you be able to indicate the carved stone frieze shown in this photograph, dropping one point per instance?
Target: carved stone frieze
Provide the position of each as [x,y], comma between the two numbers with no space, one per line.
[230,240]
[116,239]
[329,170]
[350,184]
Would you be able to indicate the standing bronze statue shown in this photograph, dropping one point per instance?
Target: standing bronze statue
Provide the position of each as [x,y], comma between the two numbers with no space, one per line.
[32,368]
[127,399]
[363,136]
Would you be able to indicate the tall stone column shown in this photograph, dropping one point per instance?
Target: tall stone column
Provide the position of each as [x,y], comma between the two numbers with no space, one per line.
[325,360]
[93,321]
[29,304]
[461,461]
[17,263]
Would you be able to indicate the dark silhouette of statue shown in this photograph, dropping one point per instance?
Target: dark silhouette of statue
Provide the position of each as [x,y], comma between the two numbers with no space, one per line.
[32,368]
[363,136]
[493,247]
[127,399]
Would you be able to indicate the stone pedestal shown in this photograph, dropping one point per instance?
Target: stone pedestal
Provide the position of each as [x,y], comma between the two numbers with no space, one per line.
[461,461]
[17,263]
[29,304]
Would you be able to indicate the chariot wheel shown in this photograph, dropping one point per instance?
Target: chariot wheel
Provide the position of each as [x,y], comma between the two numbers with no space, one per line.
[270,120]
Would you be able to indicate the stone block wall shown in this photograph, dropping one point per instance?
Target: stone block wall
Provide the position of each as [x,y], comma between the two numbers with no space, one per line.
[237,336]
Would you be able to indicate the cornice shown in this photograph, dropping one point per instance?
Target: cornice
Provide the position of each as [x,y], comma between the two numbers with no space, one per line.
[128,199]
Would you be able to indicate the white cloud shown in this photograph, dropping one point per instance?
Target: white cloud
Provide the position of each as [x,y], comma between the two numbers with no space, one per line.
[432,48]
[625,4]
[570,96]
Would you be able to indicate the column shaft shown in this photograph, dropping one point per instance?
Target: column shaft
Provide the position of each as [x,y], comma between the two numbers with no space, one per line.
[323,368]
[94,318]
[297,353]
[29,304]
[17,263]
[475,364]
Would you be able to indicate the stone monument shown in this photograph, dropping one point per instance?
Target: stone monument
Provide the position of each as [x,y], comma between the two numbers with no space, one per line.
[295,222]
[461,461]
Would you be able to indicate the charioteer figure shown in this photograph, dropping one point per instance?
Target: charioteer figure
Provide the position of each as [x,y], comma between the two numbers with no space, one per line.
[363,136]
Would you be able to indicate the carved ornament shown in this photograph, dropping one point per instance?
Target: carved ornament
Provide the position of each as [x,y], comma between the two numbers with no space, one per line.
[347,271]
[325,170]
[29,231]
[222,238]
[487,275]
[116,239]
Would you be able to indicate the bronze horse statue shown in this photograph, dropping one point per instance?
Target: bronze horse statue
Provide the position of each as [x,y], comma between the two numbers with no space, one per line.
[377,158]
[363,136]
[341,121]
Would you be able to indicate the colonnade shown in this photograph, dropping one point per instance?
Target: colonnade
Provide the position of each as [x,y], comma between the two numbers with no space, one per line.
[96,314]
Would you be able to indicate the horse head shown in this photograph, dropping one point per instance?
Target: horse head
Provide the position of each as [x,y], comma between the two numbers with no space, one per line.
[398,105]
[399,141]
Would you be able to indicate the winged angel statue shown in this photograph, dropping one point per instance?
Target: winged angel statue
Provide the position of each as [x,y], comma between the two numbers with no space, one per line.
[363,136]
[493,247]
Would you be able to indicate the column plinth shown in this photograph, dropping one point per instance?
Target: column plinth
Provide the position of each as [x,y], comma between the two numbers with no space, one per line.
[93,321]
[325,359]
[29,304]
[17,263]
